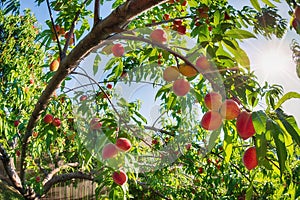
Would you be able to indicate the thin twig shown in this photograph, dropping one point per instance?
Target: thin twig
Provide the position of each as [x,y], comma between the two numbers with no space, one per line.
[53,27]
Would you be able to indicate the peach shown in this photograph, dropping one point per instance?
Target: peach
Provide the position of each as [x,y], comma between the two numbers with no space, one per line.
[202,63]
[95,124]
[244,125]
[16,123]
[181,87]
[166,17]
[211,120]
[250,159]
[123,144]
[54,65]
[120,177]
[109,151]
[83,98]
[118,50]
[48,118]
[171,74]
[229,109]
[159,36]
[213,101]
[297,13]
[56,122]
[181,30]
[187,70]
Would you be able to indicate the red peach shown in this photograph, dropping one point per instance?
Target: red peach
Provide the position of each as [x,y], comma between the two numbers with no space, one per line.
[250,159]
[16,123]
[229,109]
[95,124]
[181,87]
[181,30]
[244,125]
[211,120]
[56,122]
[118,50]
[120,177]
[83,98]
[159,36]
[202,63]
[123,144]
[109,151]
[48,118]
[213,101]
[166,17]
[177,22]
[109,86]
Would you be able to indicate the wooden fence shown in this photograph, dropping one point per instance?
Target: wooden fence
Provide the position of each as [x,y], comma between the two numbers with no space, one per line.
[72,190]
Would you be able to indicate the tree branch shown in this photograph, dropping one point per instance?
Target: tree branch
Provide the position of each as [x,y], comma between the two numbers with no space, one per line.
[103,30]
[65,177]
[96,12]
[55,171]
[10,169]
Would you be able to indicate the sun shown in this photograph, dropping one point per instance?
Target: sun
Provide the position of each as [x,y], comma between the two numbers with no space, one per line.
[275,61]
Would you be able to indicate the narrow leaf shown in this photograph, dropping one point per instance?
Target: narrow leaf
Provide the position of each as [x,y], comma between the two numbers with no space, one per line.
[239,34]
[286,97]
[255,4]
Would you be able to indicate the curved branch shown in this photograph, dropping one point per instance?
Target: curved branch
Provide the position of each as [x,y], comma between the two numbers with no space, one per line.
[65,177]
[103,30]
[55,171]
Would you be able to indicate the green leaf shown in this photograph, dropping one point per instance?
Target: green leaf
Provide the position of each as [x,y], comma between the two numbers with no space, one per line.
[239,34]
[163,89]
[255,4]
[249,193]
[278,136]
[96,64]
[286,97]
[212,139]
[240,56]
[268,3]
[290,125]
[259,119]
[227,143]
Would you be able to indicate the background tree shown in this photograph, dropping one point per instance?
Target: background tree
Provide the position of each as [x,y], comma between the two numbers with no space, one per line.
[39,126]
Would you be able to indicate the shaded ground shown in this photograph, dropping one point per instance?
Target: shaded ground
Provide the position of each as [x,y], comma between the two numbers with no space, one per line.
[7,193]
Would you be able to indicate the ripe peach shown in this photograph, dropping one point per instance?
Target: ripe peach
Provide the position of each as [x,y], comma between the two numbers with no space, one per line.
[244,125]
[250,159]
[181,87]
[171,74]
[181,30]
[123,144]
[202,63]
[54,65]
[159,36]
[187,70]
[18,153]
[166,17]
[213,101]
[177,22]
[16,123]
[229,109]
[211,120]
[83,98]
[109,151]
[118,50]
[48,118]
[109,86]
[297,13]
[120,177]
[56,122]
[95,124]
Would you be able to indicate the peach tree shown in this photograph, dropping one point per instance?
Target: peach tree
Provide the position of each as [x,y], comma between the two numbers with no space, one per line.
[70,106]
